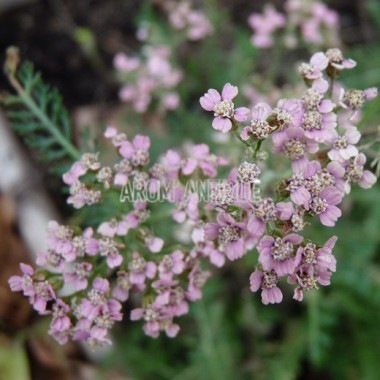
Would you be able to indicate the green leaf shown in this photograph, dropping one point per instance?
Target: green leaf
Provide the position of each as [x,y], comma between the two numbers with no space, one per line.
[38,114]
[13,360]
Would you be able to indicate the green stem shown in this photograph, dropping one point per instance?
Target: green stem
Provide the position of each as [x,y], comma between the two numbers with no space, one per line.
[257,149]
[332,82]
[314,324]
[49,125]
[160,216]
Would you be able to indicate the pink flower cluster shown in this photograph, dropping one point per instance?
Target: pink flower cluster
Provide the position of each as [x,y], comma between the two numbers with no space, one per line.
[86,274]
[150,77]
[265,25]
[100,267]
[183,17]
[325,162]
[310,21]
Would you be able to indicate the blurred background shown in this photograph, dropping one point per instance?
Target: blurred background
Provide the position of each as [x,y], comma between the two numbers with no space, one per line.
[95,53]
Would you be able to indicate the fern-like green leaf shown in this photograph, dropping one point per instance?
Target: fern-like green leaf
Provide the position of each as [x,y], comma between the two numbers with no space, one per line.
[37,113]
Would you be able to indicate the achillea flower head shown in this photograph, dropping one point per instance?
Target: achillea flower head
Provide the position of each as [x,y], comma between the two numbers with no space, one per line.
[280,254]
[223,107]
[267,281]
[259,128]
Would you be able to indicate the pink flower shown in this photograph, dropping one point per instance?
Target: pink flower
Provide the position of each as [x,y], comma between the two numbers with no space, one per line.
[285,210]
[322,258]
[259,127]
[171,101]
[337,61]
[223,107]
[199,26]
[215,256]
[306,280]
[173,302]
[90,308]
[39,293]
[51,259]
[267,281]
[110,249]
[279,254]
[197,278]
[343,147]
[182,16]
[172,264]
[94,332]
[318,121]
[298,183]
[80,195]
[24,283]
[123,170]
[316,268]
[332,175]
[310,29]
[370,93]
[354,99]
[229,233]
[264,210]
[138,94]
[325,15]
[201,157]
[91,245]
[313,70]
[130,221]
[79,277]
[293,143]
[98,304]
[61,323]
[124,63]
[288,113]
[60,240]
[155,320]
[153,243]
[121,290]
[112,228]
[172,163]
[355,173]
[97,336]
[136,151]
[77,170]
[264,25]
[324,205]
[186,205]
[117,138]
[140,269]
[204,248]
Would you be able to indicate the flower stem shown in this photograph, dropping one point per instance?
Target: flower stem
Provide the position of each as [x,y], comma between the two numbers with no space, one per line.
[257,149]
[332,82]
[236,132]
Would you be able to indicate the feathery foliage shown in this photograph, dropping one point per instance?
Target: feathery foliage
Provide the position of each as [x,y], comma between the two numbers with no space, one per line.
[37,113]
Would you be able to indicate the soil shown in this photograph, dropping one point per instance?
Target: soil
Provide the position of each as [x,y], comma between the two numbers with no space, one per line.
[44,32]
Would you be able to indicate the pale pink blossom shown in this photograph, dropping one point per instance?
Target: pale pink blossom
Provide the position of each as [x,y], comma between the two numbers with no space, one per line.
[343,147]
[267,281]
[223,107]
